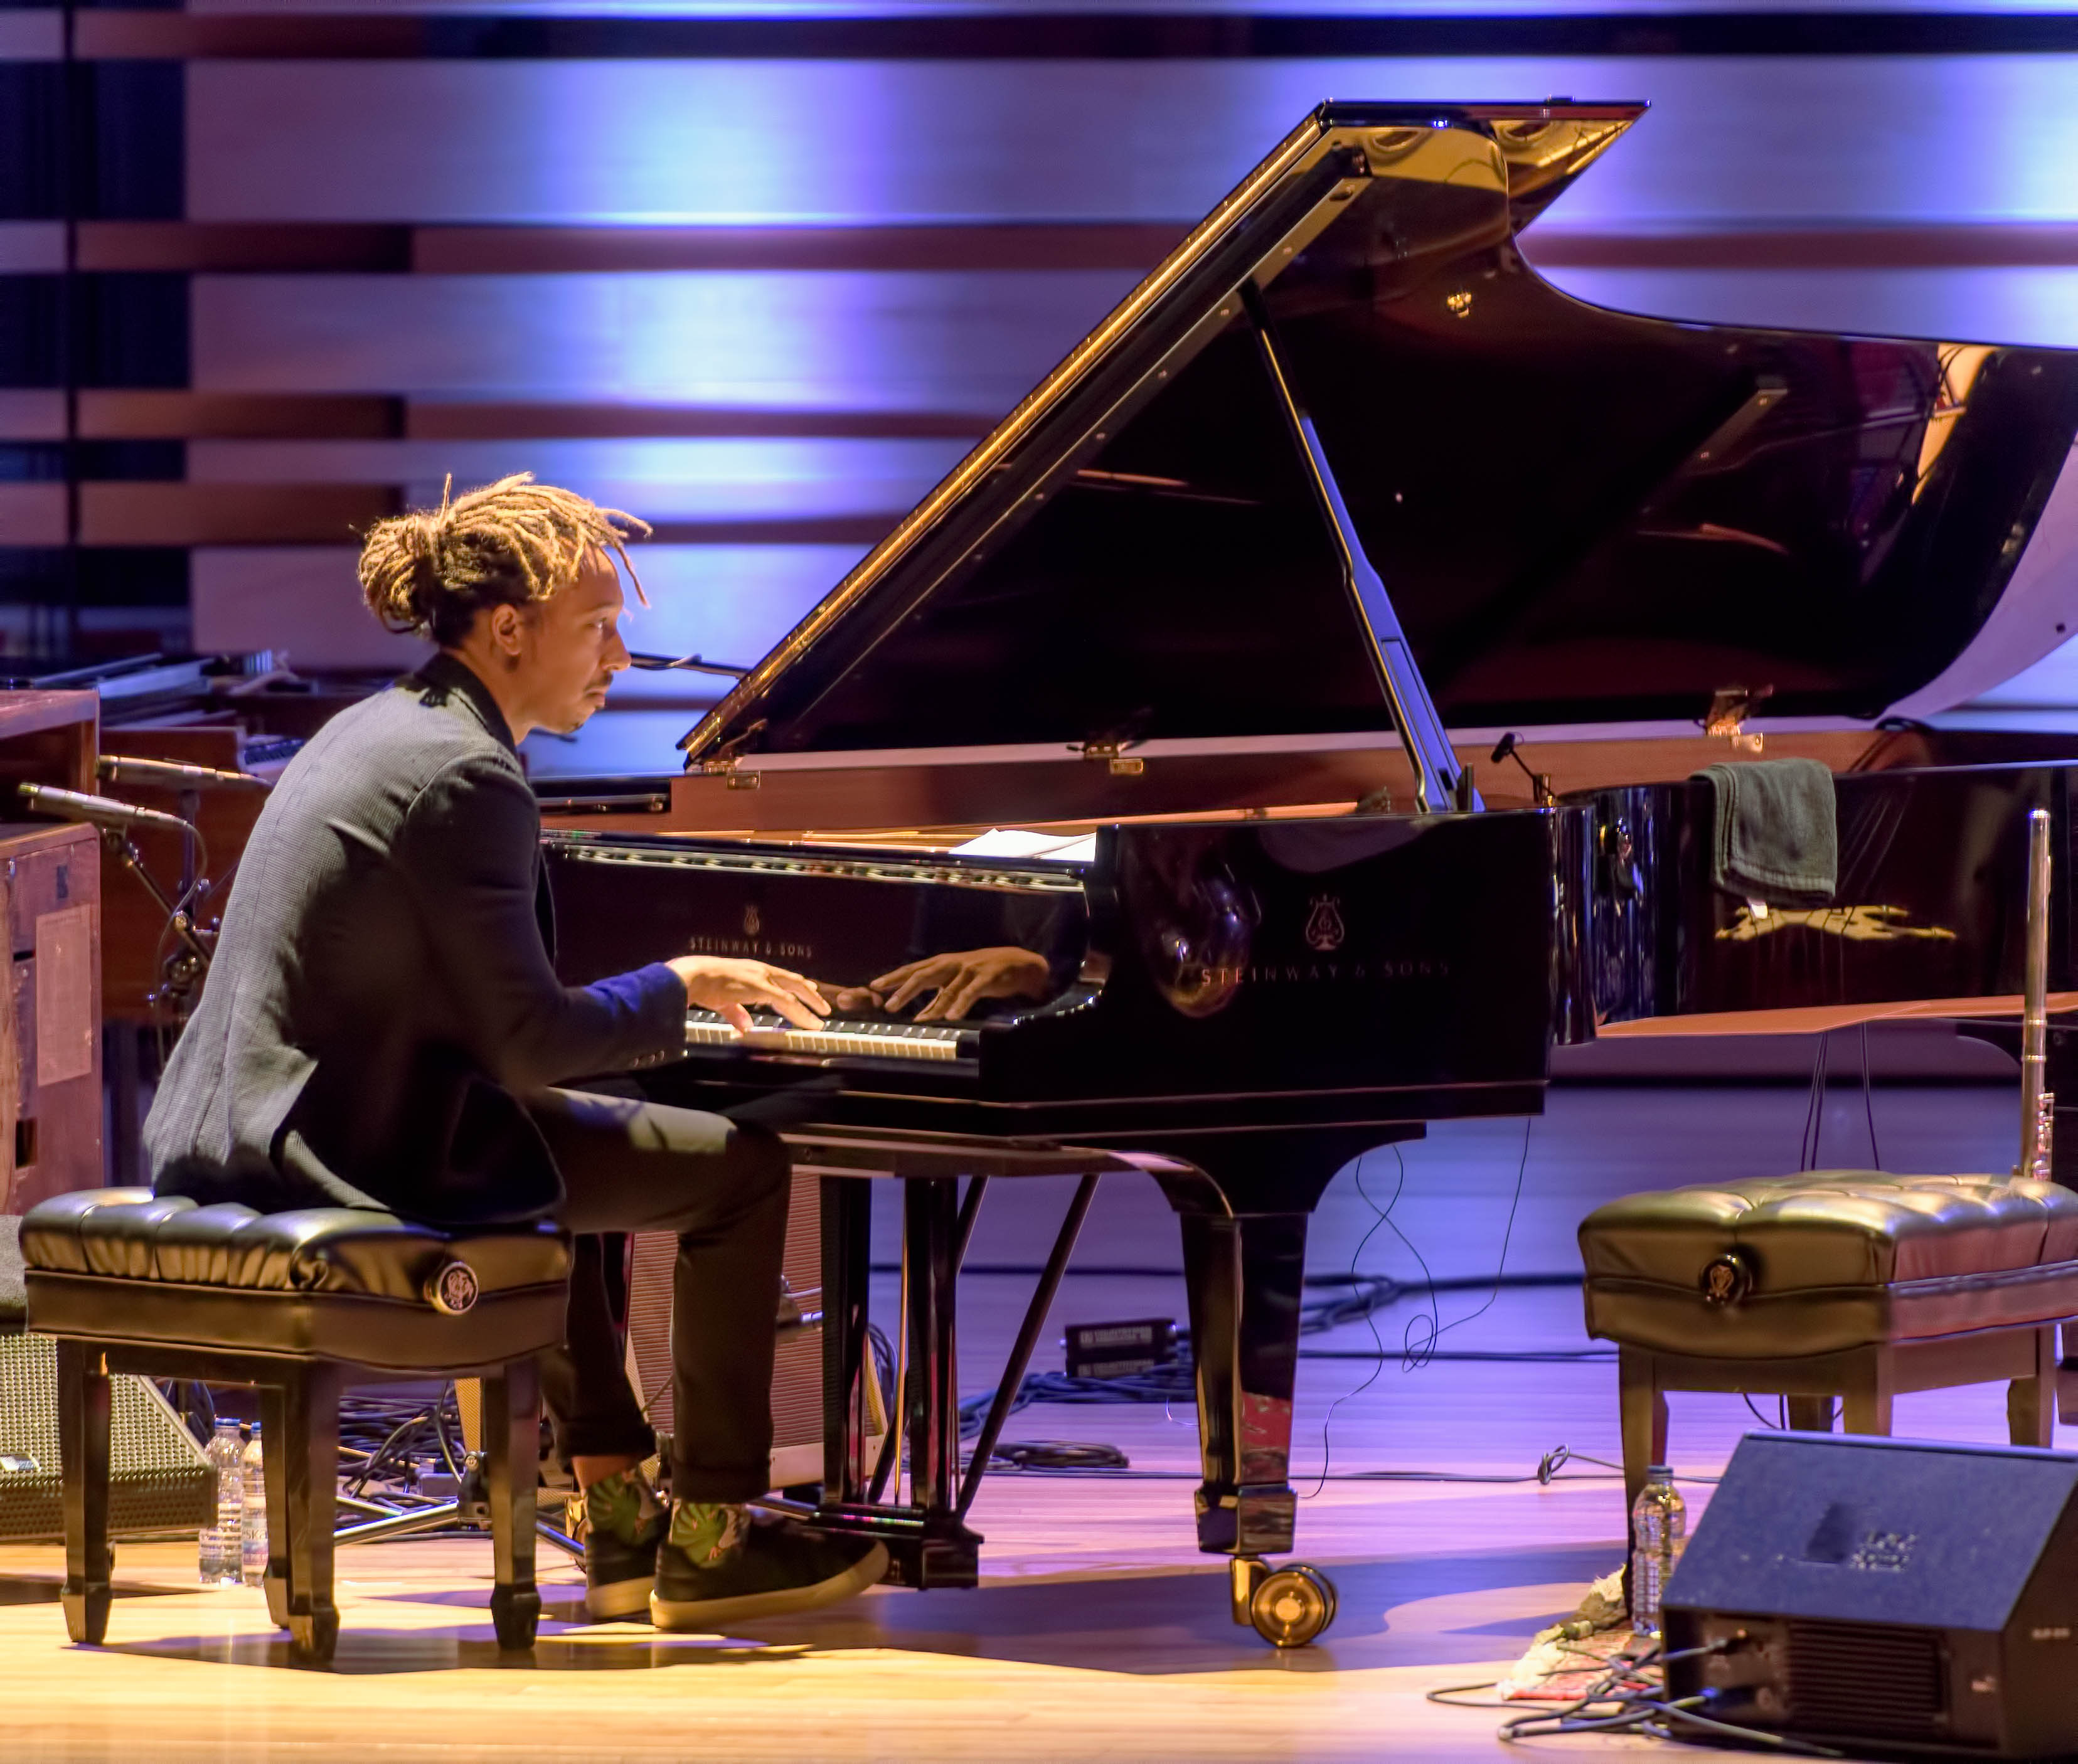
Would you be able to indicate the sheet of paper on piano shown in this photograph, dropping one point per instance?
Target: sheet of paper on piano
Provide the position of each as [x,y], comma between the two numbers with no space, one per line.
[1019,842]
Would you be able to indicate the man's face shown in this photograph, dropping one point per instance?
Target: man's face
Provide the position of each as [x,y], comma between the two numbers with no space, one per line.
[570,649]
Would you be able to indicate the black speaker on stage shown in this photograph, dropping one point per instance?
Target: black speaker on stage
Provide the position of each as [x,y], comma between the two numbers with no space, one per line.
[1890,1595]
[158,1481]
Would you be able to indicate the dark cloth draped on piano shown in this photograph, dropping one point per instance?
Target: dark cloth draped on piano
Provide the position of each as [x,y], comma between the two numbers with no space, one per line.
[384,987]
[1775,838]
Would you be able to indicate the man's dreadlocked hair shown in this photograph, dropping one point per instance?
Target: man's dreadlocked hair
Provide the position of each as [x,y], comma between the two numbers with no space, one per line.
[515,542]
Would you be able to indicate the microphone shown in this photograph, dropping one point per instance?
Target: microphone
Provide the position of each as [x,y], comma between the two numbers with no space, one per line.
[1505,748]
[98,810]
[165,774]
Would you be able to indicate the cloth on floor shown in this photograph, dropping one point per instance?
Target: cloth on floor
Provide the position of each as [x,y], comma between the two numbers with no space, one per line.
[1776,837]
[1566,1659]
[14,1290]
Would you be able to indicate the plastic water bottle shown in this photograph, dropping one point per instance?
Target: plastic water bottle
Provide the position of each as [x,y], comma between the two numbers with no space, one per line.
[222,1542]
[1659,1531]
[253,1541]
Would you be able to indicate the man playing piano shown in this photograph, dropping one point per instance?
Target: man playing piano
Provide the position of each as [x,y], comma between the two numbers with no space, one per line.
[382,1028]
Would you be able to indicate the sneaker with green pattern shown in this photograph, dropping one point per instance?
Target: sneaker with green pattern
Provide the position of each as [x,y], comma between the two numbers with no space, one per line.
[719,1566]
[625,1524]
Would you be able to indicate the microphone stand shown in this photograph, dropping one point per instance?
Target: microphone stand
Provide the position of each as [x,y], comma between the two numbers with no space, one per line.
[185,969]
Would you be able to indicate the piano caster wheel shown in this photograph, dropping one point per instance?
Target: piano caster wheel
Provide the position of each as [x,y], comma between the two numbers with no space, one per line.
[1292,1606]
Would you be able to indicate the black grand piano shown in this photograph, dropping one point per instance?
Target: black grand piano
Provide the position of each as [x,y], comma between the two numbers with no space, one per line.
[1342,447]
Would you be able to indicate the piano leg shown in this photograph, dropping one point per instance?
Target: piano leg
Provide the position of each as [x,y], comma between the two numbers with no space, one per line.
[927,1544]
[1246,1275]
[1243,1206]
[847,1218]
[1247,1356]
[946,1553]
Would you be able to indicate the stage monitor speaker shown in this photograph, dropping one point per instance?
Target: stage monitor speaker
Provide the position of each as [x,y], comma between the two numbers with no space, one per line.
[1896,1596]
[797,1372]
[159,1479]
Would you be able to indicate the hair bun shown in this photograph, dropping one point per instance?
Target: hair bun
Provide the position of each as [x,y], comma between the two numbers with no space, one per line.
[516,543]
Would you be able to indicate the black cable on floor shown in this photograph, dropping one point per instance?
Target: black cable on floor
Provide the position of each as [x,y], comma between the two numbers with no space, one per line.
[1868,1103]
[1377,1341]
[1550,1469]
[1623,1699]
[1507,1237]
[1412,1356]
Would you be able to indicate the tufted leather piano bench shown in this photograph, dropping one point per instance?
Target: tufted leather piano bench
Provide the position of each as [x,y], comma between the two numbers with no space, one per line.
[1845,1283]
[297,1303]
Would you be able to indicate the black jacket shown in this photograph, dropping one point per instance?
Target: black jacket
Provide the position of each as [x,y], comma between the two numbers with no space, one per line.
[383,990]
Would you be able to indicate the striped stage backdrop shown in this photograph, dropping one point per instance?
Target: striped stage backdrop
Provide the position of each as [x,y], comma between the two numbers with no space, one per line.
[761,272]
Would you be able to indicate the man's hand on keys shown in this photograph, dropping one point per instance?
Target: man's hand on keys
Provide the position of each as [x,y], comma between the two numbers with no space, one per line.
[729,985]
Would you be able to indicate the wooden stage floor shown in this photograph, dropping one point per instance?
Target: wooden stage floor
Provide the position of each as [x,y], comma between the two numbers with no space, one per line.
[1099,1632]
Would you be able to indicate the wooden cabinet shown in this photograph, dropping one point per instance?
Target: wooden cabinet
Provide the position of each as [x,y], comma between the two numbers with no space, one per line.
[50,902]
[50,1043]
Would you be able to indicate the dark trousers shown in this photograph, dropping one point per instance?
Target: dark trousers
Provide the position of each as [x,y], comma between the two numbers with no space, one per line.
[637,1166]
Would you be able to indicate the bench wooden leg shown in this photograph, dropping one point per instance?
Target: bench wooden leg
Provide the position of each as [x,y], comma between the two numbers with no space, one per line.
[512,1426]
[1865,1404]
[1644,1407]
[274,1459]
[311,1430]
[1811,1414]
[2031,1402]
[83,1443]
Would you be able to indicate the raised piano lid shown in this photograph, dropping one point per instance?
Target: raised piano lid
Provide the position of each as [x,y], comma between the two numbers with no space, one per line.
[1582,516]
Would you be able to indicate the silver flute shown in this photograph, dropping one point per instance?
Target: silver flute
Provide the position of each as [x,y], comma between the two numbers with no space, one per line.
[2036,1103]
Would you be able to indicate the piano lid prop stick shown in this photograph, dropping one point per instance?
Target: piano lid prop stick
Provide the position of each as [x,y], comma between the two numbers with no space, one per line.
[2037,1120]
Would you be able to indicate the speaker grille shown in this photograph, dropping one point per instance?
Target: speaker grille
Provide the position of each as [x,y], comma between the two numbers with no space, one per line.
[1846,1677]
[797,1372]
[158,1480]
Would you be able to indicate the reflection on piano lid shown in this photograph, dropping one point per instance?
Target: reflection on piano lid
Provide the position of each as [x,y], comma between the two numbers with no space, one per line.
[838,1037]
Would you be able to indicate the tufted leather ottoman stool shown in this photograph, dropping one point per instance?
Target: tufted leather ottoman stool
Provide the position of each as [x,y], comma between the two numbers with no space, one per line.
[296,1304]
[1845,1283]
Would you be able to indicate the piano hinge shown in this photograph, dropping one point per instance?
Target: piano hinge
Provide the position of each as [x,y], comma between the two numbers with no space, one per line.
[1113,754]
[726,758]
[1730,707]
[744,781]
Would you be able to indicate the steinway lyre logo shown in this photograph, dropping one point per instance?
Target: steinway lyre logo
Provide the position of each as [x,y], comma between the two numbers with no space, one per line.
[753,923]
[1324,925]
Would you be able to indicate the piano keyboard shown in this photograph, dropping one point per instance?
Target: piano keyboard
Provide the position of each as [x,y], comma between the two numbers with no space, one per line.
[877,1041]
